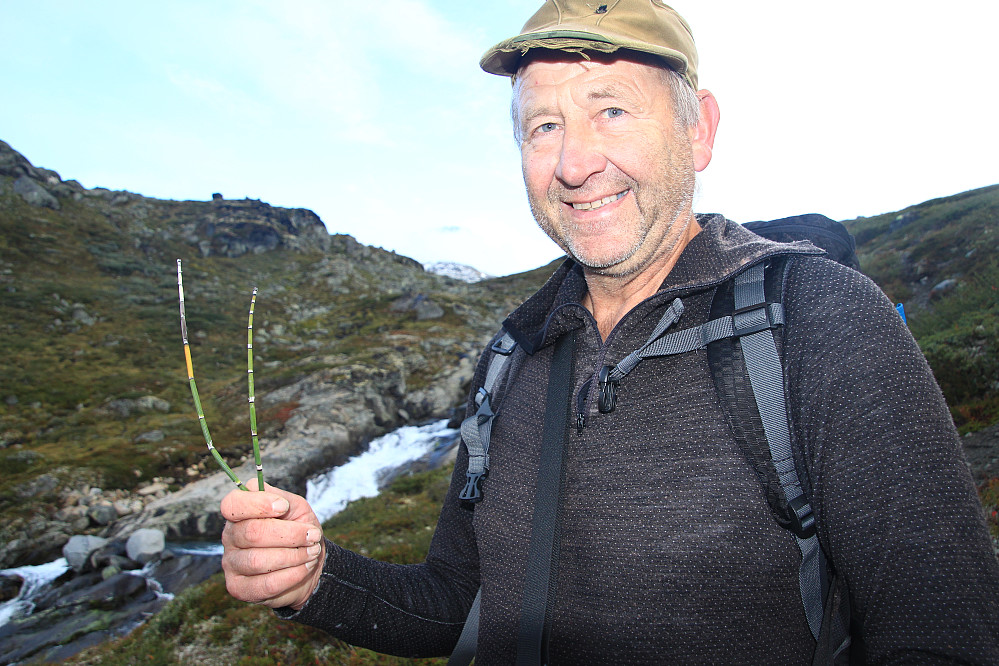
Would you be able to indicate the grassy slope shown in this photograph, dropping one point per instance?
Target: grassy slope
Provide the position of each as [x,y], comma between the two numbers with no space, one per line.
[60,375]
[205,625]
[958,329]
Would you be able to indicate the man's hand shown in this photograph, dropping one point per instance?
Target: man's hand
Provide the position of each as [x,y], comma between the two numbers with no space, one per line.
[274,548]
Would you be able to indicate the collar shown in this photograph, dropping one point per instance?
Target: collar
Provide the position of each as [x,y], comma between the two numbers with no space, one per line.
[717,253]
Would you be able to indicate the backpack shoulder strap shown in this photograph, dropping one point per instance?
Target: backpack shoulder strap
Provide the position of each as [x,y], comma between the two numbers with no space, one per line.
[477,428]
[749,377]
[475,433]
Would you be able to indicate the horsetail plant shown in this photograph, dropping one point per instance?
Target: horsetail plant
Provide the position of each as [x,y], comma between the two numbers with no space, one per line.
[249,381]
[197,401]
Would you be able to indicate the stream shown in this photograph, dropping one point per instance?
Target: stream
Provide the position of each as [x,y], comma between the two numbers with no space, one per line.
[328,493]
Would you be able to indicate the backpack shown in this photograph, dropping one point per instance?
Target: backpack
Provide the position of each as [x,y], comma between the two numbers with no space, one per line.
[743,341]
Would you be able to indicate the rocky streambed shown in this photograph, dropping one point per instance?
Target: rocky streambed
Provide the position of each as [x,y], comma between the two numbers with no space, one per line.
[103,588]
[338,410]
[107,588]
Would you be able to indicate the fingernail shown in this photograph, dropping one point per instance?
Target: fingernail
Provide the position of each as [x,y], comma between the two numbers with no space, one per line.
[312,536]
[280,505]
[311,564]
[313,550]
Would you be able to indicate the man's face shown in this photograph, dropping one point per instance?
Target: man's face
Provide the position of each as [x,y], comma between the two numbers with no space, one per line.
[609,176]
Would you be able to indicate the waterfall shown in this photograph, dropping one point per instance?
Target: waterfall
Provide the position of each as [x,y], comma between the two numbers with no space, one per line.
[36,578]
[360,476]
[328,493]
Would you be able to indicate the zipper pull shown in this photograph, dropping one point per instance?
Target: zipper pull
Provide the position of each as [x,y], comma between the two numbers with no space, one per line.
[608,390]
[581,407]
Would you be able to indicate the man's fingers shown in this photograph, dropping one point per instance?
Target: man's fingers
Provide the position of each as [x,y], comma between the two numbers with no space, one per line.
[242,505]
[256,561]
[285,587]
[272,503]
[269,533]
[273,546]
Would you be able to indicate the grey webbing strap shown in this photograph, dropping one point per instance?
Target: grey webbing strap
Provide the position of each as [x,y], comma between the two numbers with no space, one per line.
[464,649]
[477,429]
[628,363]
[766,376]
[696,337]
[475,432]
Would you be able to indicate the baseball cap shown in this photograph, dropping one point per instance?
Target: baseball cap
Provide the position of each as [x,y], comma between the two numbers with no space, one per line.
[607,26]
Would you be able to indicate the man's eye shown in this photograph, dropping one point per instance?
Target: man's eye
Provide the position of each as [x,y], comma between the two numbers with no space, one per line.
[614,112]
[547,127]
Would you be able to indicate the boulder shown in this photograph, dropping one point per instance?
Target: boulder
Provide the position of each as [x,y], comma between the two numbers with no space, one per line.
[149,403]
[103,513]
[10,587]
[122,407]
[81,315]
[112,552]
[78,549]
[420,304]
[152,489]
[145,545]
[179,573]
[34,194]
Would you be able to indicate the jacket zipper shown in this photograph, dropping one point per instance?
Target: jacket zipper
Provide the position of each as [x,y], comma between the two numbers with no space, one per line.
[581,400]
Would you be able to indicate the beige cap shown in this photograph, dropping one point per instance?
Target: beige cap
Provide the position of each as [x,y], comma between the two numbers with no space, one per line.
[606,26]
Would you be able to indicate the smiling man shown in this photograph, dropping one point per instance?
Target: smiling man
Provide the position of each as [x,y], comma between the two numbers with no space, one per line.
[626,494]
[609,169]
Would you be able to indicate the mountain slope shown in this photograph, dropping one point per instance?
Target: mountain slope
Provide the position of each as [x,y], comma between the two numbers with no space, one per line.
[941,259]
[350,341]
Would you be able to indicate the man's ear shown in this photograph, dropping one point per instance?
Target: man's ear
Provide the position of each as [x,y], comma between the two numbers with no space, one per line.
[702,136]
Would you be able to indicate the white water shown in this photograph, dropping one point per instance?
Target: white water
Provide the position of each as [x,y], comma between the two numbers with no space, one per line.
[147,572]
[329,493]
[35,578]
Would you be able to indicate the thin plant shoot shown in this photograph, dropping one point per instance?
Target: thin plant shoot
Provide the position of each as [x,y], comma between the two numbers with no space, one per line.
[197,400]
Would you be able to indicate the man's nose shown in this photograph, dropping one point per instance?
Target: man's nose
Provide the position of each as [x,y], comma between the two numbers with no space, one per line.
[581,156]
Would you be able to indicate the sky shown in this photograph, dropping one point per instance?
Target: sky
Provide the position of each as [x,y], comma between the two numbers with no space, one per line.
[377,117]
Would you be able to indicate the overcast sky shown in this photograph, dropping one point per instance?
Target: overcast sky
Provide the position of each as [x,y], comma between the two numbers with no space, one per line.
[376,116]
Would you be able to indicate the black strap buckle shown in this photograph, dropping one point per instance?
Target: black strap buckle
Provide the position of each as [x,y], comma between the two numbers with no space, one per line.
[802,518]
[472,492]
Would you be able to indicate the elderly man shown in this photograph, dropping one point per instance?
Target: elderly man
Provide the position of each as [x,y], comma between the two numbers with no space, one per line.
[620,520]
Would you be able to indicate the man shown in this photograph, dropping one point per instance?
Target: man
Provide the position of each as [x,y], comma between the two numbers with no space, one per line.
[665,550]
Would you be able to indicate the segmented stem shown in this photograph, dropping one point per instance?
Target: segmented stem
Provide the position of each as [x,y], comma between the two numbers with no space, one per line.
[249,381]
[194,387]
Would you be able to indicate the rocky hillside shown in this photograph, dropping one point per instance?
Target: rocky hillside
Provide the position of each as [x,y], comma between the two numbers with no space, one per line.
[941,259]
[96,419]
[98,434]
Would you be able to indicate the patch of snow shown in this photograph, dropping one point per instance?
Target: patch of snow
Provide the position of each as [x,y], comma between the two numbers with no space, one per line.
[456,271]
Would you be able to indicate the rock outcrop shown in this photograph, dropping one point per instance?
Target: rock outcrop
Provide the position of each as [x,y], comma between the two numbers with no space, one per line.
[338,412]
[106,597]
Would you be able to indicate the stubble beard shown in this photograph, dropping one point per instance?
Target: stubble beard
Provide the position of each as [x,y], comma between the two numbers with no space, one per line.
[657,208]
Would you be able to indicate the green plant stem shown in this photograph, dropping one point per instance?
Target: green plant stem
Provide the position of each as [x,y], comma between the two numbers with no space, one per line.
[194,387]
[249,380]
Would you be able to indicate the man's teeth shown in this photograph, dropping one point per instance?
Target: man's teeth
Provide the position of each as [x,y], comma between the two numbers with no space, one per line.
[593,205]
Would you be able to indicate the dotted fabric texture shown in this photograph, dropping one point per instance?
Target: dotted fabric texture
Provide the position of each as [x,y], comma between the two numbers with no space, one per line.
[668,552]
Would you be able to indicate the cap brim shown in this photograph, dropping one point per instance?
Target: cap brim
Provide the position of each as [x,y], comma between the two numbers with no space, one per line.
[504,58]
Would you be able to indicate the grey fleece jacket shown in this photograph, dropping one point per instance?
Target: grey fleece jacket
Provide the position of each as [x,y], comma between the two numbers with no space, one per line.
[667,549]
